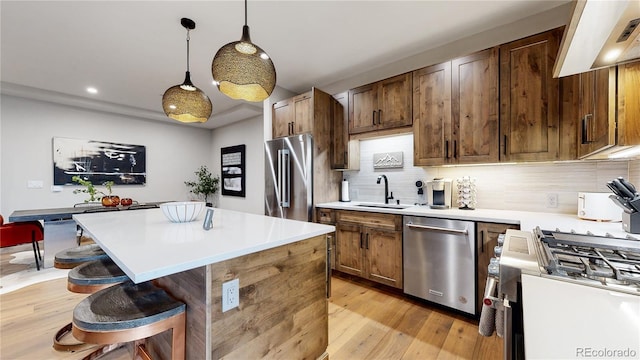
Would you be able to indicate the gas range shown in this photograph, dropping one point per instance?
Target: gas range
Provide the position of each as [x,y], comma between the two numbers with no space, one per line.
[544,277]
[599,261]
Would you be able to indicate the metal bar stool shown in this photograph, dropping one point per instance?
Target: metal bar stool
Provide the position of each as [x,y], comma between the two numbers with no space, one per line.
[130,312]
[70,258]
[88,278]
[95,275]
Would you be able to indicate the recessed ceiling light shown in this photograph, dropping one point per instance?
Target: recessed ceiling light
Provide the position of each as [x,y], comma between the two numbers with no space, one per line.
[92,90]
[612,55]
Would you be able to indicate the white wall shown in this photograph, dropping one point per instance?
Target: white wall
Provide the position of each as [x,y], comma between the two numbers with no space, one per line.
[250,133]
[27,127]
[510,187]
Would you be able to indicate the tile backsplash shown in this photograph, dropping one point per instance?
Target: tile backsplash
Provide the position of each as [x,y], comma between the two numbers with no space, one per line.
[499,186]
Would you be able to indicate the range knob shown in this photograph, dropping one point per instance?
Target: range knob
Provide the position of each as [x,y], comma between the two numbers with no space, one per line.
[500,239]
[497,251]
[494,267]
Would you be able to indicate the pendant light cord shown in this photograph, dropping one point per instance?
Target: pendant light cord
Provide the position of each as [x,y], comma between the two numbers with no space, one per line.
[245,12]
[188,49]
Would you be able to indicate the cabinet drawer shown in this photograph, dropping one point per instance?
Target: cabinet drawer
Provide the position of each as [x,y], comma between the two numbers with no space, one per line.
[325,216]
[378,220]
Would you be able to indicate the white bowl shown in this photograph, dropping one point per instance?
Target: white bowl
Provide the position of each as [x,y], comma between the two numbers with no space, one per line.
[182,211]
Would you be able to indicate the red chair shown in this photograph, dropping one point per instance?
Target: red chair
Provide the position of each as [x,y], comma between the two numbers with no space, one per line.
[17,233]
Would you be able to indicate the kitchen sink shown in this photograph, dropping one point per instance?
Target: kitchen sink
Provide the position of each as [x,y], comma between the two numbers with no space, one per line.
[384,206]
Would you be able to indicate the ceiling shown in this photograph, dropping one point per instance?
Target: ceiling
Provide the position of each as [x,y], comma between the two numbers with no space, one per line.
[132,51]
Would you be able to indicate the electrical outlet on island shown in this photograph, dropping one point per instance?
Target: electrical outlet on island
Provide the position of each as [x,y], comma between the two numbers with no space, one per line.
[230,294]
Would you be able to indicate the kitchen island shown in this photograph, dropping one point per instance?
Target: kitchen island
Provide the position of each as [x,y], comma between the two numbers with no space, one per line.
[281,266]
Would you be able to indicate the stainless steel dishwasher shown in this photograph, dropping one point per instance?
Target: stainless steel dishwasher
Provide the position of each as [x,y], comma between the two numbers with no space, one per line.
[439,261]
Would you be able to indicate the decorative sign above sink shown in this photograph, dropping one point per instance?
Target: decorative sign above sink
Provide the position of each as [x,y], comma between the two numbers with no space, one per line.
[387,160]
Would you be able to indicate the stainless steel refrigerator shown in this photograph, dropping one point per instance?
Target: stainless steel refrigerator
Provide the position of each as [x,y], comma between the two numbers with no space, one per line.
[289,177]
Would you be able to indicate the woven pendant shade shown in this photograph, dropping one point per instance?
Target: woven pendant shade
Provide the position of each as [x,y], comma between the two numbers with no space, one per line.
[185,102]
[242,70]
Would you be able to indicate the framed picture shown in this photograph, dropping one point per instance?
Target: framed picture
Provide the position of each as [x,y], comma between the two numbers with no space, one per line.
[233,170]
[98,162]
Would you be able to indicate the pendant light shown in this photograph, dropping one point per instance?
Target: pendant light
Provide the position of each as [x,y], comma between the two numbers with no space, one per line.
[185,102]
[242,70]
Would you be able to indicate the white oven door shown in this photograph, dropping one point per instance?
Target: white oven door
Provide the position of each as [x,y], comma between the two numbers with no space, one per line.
[565,320]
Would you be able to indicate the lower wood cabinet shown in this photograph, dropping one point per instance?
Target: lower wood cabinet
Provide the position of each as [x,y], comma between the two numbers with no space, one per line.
[327,216]
[369,245]
[486,240]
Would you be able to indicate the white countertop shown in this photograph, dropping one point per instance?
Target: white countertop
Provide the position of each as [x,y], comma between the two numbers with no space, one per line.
[527,220]
[147,246]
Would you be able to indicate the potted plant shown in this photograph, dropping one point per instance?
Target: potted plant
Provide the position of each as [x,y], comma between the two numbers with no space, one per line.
[205,185]
[106,199]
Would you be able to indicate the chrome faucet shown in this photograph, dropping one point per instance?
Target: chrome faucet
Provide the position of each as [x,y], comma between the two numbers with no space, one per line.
[387,197]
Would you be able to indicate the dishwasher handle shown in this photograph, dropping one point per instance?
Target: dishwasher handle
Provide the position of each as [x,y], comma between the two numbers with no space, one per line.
[437,228]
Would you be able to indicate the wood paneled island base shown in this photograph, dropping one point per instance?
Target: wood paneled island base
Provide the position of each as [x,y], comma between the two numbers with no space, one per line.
[282,312]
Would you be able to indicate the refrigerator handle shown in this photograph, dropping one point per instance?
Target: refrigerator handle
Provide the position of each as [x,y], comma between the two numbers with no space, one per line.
[284,186]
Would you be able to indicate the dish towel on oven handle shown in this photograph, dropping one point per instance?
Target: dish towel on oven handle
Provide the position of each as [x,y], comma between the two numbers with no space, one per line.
[488,320]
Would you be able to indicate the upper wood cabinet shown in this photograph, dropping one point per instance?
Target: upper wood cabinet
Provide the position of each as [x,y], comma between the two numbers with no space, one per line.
[629,104]
[345,153]
[474,104]
[596,117]
[604,108]
[293,116]
[455,111]
[311,113]
[340,131]
[385,104]
[529,98]
[432,114]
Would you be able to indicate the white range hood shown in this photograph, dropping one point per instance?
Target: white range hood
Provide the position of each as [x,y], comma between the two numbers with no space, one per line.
[599,34]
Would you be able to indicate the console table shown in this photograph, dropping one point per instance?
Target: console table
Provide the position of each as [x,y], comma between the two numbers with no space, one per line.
[60,230]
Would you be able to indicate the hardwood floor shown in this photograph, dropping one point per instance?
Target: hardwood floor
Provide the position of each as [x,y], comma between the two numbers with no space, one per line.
[371,323]
[32,315]
[364,323]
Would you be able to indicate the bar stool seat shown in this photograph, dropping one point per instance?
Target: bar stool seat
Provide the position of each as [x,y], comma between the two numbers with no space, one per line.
[70,258]
[130,312]
[95,275]
[88,278]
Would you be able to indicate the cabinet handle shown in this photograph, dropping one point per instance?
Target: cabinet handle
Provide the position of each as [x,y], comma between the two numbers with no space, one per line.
[446,149]
[346,156]
[373,117]
[482,241]
[455,149]
[505,144]
[589,127]
[367,242]
[361,241]
[583,131]
[379,117]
